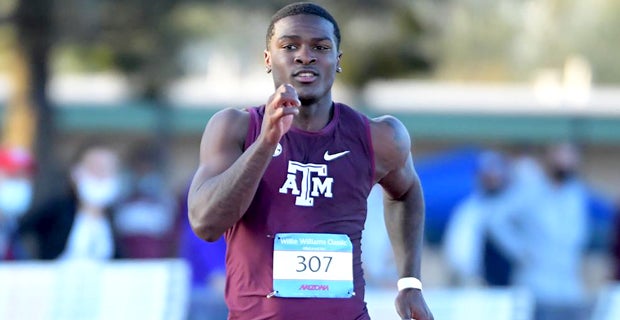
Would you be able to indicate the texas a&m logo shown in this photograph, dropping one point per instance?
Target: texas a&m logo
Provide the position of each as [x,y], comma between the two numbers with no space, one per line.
[314,182]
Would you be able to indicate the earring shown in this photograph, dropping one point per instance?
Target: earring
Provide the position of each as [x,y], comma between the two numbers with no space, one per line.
[267,69]
[339,69]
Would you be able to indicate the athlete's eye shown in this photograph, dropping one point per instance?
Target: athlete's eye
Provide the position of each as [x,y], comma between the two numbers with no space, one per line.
[289,47]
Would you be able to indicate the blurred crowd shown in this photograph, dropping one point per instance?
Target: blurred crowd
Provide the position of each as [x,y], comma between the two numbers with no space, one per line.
[109,206]
[525,223]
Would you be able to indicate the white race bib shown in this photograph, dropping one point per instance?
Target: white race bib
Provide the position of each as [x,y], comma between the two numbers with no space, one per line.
[312,265]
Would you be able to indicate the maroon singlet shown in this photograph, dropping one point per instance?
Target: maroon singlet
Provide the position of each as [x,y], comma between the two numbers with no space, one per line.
[295,195]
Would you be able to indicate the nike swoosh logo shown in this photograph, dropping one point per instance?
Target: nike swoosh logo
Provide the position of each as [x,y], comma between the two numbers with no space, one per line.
[330,157]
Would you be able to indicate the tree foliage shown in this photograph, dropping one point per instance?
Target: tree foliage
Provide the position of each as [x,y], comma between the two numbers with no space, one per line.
[145,37]
[454,40]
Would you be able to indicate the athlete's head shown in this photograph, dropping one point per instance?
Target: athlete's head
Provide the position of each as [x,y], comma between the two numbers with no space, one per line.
[303,8]
[302,50]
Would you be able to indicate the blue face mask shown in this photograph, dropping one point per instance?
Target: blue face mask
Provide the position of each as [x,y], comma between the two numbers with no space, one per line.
[15,197]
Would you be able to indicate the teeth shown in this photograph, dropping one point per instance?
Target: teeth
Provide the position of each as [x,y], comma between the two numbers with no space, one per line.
[306,74]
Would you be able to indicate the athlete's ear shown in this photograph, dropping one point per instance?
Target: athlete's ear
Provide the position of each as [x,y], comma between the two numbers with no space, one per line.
[267,57]
[338,61]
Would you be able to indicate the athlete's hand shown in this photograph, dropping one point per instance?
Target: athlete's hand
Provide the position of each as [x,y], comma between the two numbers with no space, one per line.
[410,304]
[280,109]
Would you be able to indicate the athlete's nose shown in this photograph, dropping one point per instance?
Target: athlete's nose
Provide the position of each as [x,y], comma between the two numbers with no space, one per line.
[305,57]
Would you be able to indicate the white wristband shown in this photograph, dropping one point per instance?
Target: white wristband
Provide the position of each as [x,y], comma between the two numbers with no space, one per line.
[409,282]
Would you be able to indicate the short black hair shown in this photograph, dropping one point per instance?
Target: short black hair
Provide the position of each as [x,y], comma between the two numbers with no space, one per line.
[302,8]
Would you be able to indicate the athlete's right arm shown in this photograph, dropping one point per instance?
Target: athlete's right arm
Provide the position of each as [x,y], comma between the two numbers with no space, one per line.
[227,176]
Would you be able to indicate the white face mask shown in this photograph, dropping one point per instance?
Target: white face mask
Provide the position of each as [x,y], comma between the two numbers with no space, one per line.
[97,192]
[15,196]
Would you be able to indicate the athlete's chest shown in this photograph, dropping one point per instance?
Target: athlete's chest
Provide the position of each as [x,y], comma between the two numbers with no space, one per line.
[309,169]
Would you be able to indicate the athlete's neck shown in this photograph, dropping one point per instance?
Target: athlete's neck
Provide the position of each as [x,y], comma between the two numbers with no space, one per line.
[314,115]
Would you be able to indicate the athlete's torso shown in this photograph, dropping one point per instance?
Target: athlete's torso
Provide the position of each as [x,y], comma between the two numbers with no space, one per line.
[316,182]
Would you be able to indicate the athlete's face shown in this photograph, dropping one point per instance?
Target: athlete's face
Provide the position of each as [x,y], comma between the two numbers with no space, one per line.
[303,52]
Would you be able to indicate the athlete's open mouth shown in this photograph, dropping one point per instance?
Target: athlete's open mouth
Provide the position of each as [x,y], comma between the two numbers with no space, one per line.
[305,75]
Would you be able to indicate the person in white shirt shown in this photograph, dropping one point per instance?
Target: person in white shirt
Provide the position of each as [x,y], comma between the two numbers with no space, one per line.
[547,236]
[468,234]
[97,186]
[76,225]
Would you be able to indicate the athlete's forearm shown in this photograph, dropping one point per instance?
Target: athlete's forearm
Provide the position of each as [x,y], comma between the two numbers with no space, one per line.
[217,203]
[404,219]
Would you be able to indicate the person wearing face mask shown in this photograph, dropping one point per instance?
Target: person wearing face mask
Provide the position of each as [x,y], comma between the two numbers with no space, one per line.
[16,167]
[548,236]
[77,225]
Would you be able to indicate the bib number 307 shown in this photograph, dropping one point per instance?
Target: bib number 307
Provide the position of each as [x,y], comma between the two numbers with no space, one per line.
[312,265]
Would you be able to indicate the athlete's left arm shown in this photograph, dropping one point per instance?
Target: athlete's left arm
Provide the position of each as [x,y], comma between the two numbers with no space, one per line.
[404,208]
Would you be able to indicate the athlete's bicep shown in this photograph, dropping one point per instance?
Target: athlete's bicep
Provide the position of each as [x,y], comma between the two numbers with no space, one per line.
[401,180]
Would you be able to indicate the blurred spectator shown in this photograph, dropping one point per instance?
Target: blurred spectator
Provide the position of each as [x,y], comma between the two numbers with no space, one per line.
[207,263]
[145,220]
[77,225]
[547,238]
[469,246]
[16,169]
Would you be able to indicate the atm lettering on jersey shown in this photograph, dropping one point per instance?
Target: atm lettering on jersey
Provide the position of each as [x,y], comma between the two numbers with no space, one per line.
[314,182]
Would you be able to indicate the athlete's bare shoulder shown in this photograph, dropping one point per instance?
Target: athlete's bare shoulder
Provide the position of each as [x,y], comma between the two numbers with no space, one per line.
[226,130]
[391,143]
[237,118]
